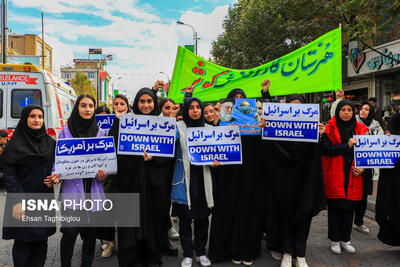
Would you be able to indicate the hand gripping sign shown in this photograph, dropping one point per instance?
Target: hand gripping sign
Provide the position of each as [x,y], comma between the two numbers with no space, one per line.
[105,121]
[376,151]
[206,144]
[83,157]
[154,134]
[291,122]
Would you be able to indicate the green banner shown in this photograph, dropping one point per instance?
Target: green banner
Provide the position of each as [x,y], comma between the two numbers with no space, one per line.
[315,67]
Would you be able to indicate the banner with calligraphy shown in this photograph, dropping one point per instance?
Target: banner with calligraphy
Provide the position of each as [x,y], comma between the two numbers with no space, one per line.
[241,112]
[291,122]
[83,157]
[376,151]
[206,144]
[154,134]
[315,67]
[105,121]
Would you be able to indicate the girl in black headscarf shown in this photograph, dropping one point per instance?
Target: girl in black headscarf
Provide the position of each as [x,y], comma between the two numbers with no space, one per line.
[387,209]
[191,189]
[145,175]
[81,124]
[343,181]
[154,185]
[366,116]
[27,161]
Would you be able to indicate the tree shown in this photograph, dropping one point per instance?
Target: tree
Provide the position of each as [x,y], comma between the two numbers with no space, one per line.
[258,31]
[82,85]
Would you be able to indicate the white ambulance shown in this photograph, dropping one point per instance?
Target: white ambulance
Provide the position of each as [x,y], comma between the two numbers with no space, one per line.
[22,85]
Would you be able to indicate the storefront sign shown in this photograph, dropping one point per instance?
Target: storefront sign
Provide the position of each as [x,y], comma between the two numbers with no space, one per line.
[369,61]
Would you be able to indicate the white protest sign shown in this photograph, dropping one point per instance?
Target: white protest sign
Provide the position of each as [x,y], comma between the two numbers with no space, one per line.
[376,151]
[291,122]
[154,134]
[206,144]
[83,157]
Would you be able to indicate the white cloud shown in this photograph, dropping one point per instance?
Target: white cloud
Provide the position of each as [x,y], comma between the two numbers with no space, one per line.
[140,48]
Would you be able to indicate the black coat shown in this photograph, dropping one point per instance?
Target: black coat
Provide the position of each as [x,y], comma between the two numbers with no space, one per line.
[387,210]
[27,178]
[295,188]
[239,206]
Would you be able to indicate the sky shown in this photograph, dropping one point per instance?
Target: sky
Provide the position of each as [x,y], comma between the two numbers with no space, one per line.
[142,36]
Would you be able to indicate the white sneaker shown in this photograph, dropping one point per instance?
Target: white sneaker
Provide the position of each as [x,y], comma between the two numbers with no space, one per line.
[276,255]
[236,261]
[335,247]
[301,262]
[286,260]
[187,262]
[173,234]
[204,261]
[348,247]
[247,263]
[363,228]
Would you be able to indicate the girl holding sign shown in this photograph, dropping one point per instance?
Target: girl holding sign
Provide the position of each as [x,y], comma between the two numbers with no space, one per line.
[366,116]
[26,162]
[343,181]
[125,181]
[81,124]
[154,184]
[295,193]
[191,195]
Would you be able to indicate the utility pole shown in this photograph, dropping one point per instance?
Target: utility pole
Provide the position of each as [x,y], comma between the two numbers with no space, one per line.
[43,53]
[4,31]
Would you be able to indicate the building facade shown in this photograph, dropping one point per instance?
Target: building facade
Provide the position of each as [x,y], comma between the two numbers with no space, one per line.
[20,46]
[94,70]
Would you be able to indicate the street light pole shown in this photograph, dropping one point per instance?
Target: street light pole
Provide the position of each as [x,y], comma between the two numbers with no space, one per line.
[4,30]
[195,38]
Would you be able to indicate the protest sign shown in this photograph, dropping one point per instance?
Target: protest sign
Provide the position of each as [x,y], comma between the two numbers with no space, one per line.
[241,112]
[154,134]
[206,144]
[376,151]
[291,122]
[315,67]
[105,121]
[83,157]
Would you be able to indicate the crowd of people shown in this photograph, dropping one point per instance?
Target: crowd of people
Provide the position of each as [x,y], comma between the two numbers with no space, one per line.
[273,195]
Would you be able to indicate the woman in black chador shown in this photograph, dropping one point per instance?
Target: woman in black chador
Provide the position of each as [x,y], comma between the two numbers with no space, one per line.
[239,196]
[27,161]
[151,177]
[295,193]
[388,199]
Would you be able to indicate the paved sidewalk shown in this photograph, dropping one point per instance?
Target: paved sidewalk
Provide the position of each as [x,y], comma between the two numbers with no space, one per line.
[370,251]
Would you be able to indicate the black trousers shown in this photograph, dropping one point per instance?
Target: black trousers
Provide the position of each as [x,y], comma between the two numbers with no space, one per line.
[295,241]
[200,236]
[67,245]
[128,257]
[340,223]
[359,211]
[273,242]
[29,253]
